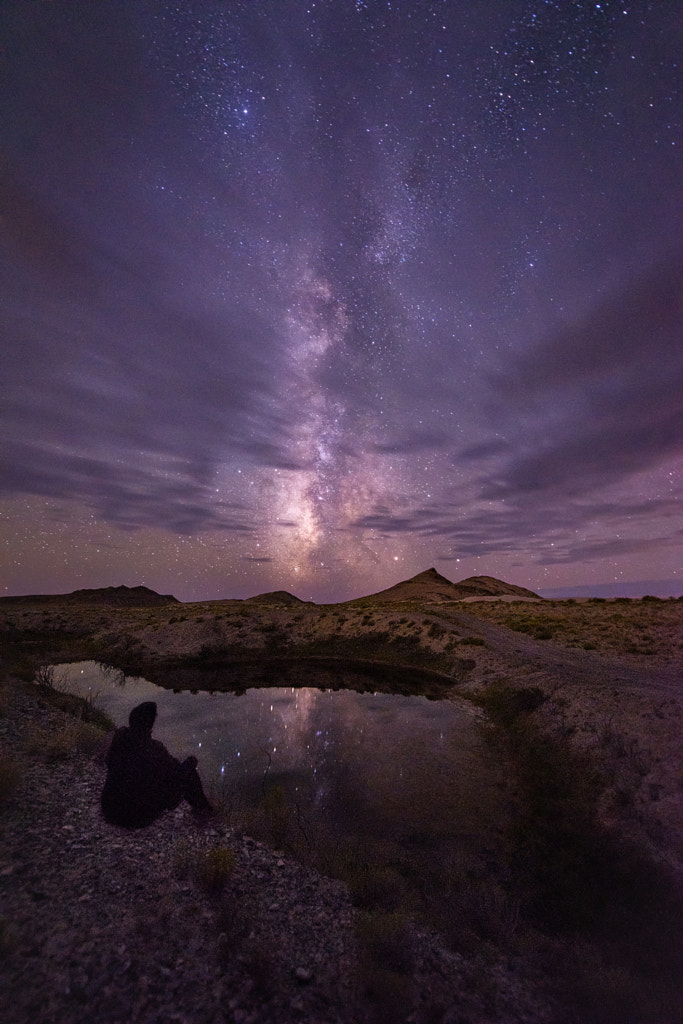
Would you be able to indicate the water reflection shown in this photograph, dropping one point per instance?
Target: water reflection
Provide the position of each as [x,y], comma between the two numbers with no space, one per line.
[410,769]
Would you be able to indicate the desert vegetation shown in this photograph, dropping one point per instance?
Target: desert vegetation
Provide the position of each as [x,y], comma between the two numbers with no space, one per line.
[649,628]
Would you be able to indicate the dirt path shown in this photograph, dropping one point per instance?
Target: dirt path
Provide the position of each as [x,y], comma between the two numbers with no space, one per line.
[626,716]
[518,651]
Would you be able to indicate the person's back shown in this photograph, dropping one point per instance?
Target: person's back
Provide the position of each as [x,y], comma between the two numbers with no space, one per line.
[143,779]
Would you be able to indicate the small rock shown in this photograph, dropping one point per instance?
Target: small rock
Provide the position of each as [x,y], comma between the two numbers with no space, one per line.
[303,975]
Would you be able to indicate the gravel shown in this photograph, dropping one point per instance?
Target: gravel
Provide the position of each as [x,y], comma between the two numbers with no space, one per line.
[100,925]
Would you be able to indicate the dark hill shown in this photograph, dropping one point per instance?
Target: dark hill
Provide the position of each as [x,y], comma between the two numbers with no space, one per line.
[117,597]
[489,586]
[276,597]
[430,586]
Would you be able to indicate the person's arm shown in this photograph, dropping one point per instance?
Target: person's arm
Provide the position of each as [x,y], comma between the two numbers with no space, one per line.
[160,760]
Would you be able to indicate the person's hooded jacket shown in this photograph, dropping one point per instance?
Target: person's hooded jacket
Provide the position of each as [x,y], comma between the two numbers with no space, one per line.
[143,779]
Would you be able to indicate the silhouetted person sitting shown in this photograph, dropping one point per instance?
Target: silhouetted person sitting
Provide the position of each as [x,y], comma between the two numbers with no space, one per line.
[143,779]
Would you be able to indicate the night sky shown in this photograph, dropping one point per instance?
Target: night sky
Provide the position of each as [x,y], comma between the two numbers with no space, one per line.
[316,295]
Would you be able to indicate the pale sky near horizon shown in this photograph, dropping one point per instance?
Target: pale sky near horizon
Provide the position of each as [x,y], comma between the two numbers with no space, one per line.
[314,296]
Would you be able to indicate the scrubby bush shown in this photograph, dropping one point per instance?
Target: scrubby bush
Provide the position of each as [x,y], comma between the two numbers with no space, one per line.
[72,739]
[46,677]
[387,938]
[277,813]
[216,867]
[505,704]
[373,885]
[436,630]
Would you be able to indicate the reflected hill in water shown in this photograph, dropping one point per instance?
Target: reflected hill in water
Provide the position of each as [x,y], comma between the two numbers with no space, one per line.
[239,676]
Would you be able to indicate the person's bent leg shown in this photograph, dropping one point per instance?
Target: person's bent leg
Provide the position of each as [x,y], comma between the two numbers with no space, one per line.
[193,791]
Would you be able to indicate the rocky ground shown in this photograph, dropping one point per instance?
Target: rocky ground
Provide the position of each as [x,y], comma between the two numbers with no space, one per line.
[106,926]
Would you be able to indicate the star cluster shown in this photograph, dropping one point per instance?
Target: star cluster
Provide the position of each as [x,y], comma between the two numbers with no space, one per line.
[313,295]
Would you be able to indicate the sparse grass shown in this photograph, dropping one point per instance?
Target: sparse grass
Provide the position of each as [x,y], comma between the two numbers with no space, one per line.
[436,630]
[640,628]
[385,968]
[53,688]
[277,812]
[472,641]
[73,739]
[215,868]
[624,747]
[387,937]
[504,704]
[373,886]
[534,625]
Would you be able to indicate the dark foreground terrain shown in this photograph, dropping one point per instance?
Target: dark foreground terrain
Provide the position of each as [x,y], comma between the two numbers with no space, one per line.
[579,921]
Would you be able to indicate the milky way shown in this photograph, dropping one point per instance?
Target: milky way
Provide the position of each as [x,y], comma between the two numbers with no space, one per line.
[313,296]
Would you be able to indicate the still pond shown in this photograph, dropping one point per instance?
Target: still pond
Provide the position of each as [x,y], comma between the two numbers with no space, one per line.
[408,772]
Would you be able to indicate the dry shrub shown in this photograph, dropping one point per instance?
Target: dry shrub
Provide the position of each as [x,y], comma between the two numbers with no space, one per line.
[387,939]
[386,966]
[71,740]
[278,814]
[51,678]
[373,885]
[216,867]
[387,997]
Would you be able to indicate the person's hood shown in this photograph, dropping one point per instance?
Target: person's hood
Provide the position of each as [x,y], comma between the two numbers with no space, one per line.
[141,718]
